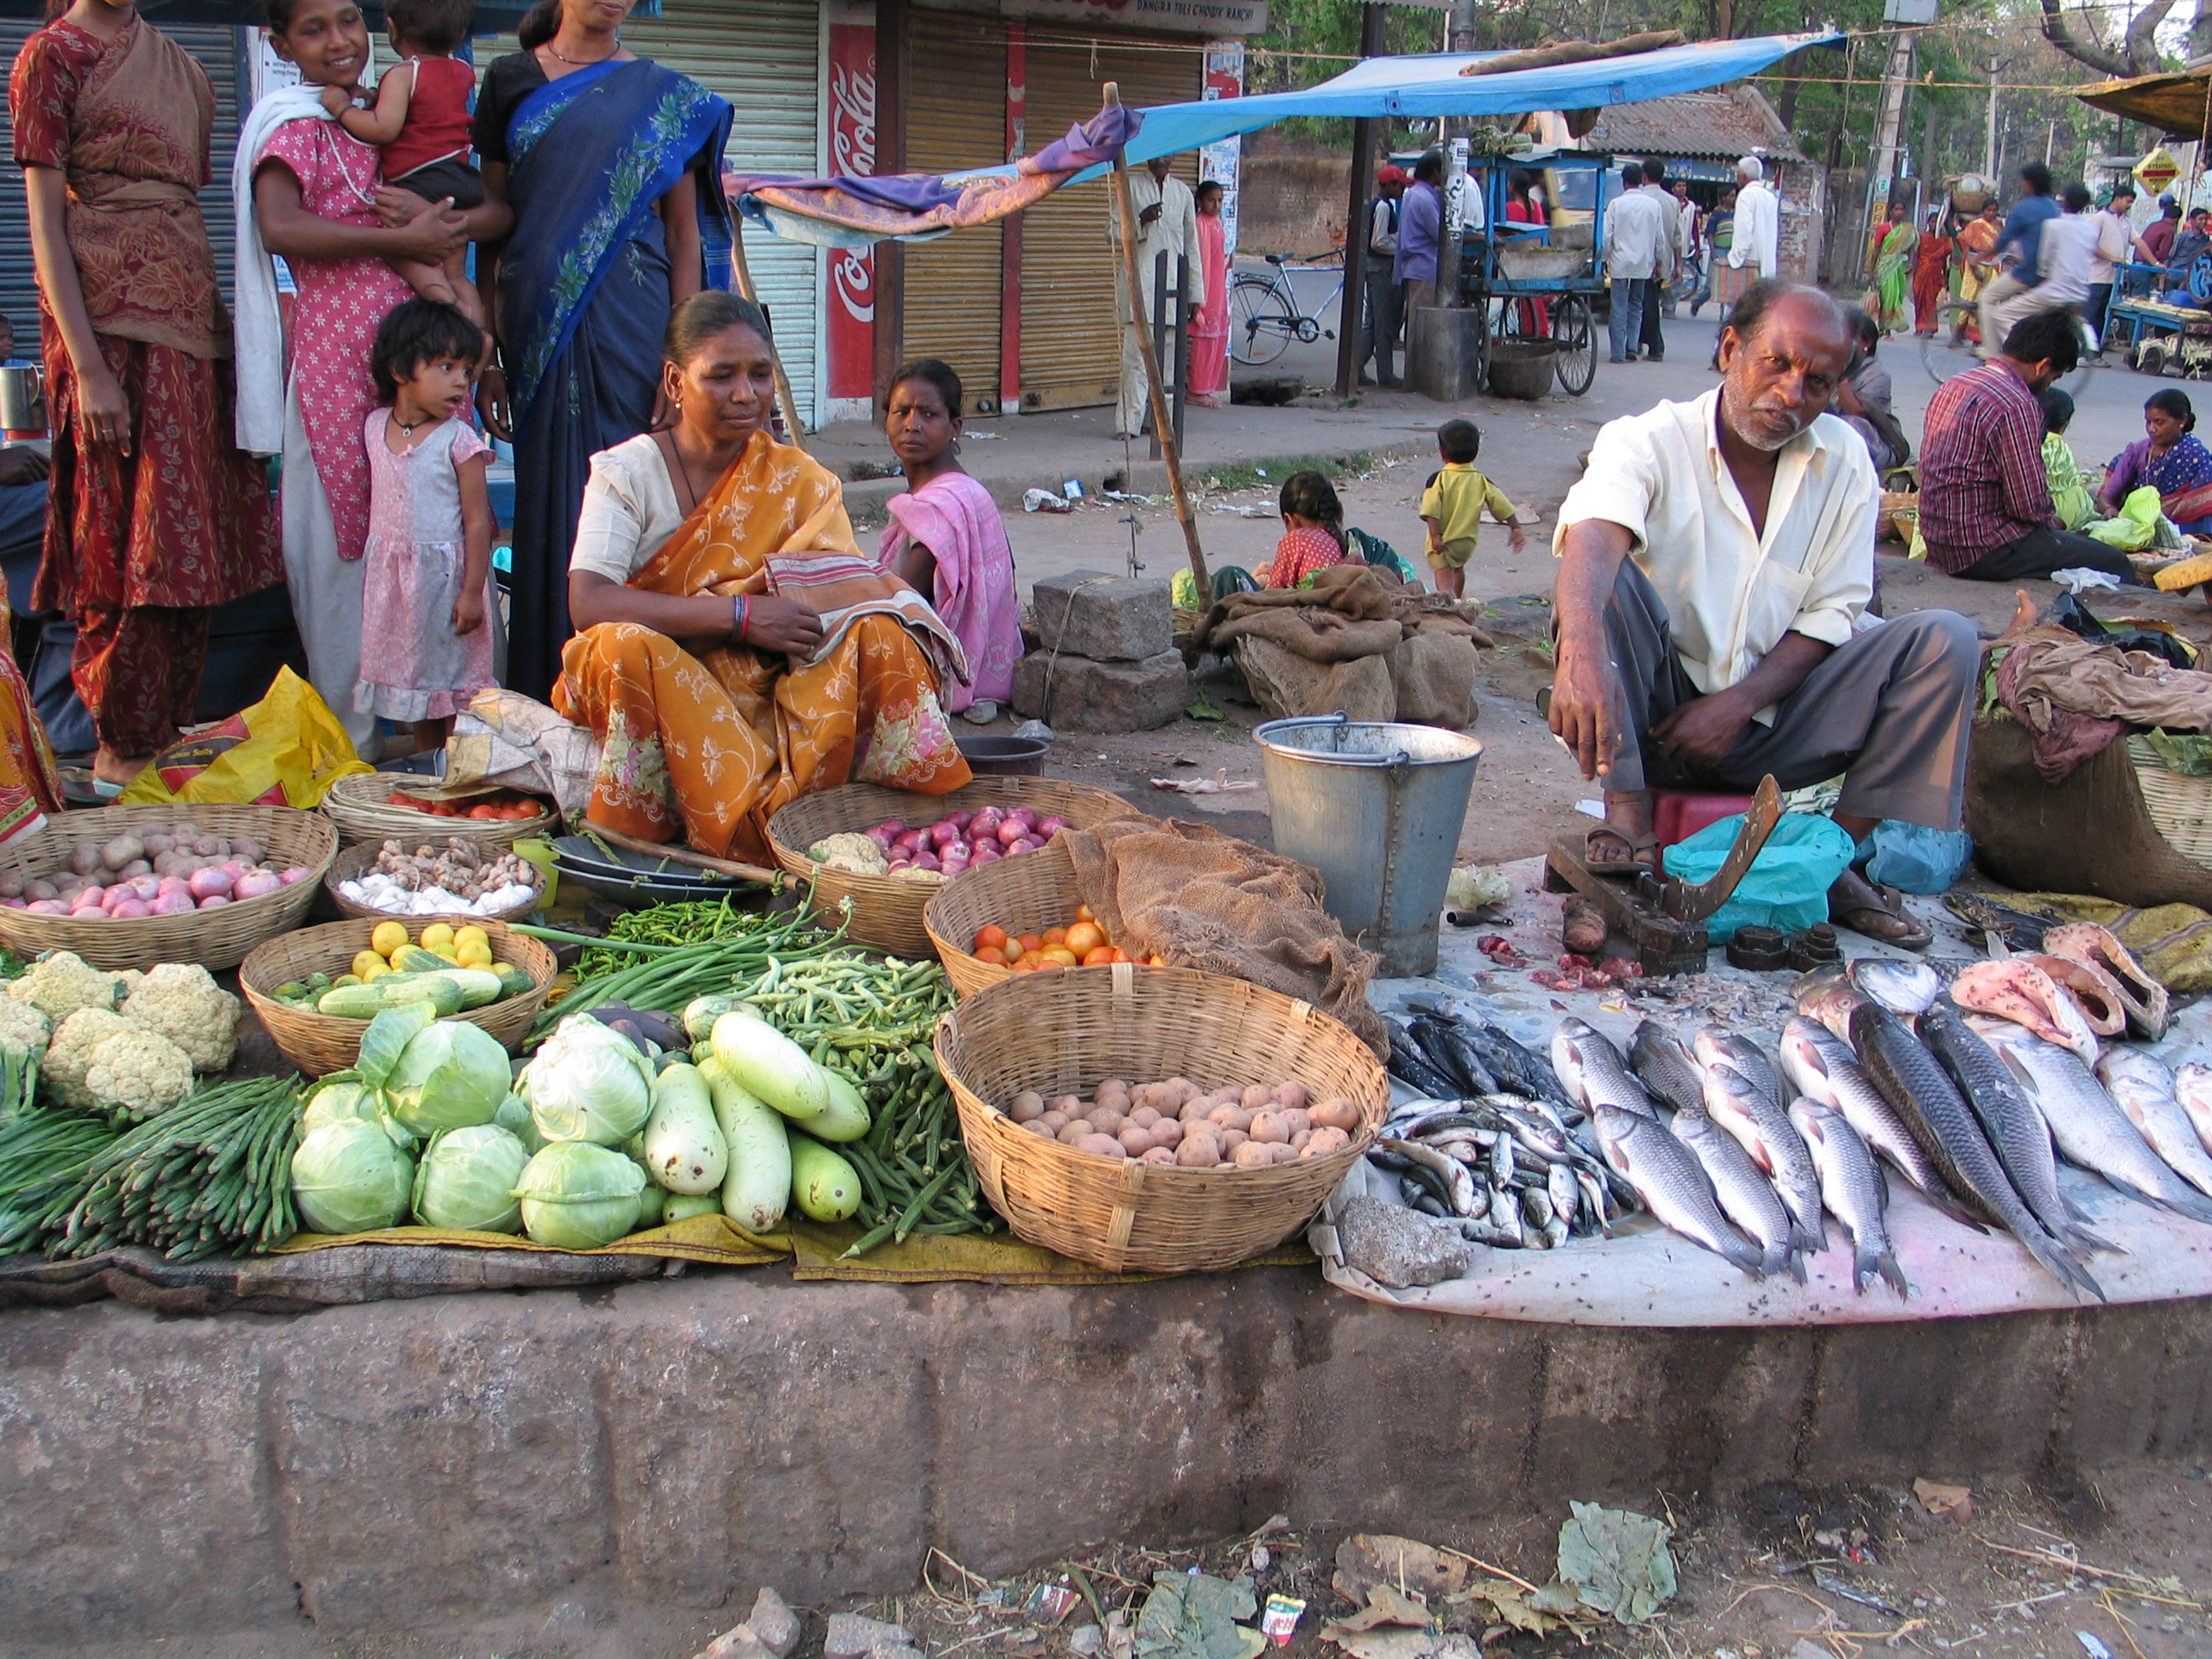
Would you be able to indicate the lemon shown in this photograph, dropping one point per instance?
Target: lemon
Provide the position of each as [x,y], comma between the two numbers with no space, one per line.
[438,937]
[389,936]
[366,963]
[465,937]
[475,956]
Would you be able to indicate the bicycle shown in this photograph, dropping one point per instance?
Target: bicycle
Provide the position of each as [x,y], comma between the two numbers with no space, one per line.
[1947,351]
[1264,316]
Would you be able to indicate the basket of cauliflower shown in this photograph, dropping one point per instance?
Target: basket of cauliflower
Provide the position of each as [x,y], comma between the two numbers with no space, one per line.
[128,1044]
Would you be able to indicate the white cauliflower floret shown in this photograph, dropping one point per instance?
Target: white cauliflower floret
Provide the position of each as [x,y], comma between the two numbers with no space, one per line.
[850,851]
[182,1002]
[22,1026]
[58,985]
[138,1071]
[68,1056]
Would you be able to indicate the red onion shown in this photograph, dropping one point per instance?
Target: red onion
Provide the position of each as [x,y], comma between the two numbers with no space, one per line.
[172,904]
[210,904]
[954,866]
[255,884]
[1023,845]
[893,827]
[944,833]
[294,875]
[1049,827]
[882,836]
[927,861]
[1023,815]
[206,883]
[986,852]
[1009,832]
[987,821]
[960,819]
[131,908]
[47,908]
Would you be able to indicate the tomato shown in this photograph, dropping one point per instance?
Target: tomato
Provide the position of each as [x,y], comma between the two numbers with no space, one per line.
[1156,961]
[990,937]
[485,811]
[1084,913]
[1117,954]
[1031,942]
[1098,956]
[1062,955]
[1026,965]
[1005,956]
[1085,938]
[1056,936]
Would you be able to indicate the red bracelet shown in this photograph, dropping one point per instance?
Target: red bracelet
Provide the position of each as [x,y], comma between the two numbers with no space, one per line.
[744,617]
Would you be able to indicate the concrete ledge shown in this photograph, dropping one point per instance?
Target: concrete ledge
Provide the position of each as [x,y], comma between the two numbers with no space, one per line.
[677,1442]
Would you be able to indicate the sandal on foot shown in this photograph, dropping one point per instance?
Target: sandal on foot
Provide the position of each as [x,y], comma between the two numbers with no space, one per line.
[1876,912]
[1636,863]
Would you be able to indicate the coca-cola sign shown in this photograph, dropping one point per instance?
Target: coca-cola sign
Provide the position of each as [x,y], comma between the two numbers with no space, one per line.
[851,321]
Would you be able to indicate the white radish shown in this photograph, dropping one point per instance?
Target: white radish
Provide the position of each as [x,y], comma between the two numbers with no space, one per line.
[685,1150]
[758,1186]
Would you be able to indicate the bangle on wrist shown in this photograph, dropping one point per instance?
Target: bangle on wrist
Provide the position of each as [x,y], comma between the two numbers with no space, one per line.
[741,618]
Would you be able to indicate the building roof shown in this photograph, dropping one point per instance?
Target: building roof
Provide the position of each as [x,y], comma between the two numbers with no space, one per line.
[1720,125]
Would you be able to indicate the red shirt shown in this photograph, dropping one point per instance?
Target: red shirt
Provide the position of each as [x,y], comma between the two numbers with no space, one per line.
[1983,485]
[1300,553]
[437,125]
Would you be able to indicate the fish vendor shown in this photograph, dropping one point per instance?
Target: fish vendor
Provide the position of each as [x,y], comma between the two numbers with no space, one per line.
[1716,561]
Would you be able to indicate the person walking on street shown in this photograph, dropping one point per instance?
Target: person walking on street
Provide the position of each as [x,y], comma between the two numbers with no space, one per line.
[1892,267]
[1667,275]
[1755,240]
[1720,234]
[1421,232]
[2116,241]
[1693,243]
[1167,223]
[2021,240]
[1379,324]
[1633,236]
[1931,275]
[1977,267]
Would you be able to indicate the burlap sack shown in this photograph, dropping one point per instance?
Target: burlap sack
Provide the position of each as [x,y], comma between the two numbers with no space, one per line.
[1432,676]
[1205,900]
[1286,685]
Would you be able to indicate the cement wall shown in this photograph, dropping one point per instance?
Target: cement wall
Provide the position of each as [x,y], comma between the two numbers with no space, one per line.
[674,1443]
[1291,199]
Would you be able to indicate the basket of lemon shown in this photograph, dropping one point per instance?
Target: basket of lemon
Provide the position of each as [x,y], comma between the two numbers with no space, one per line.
[316,990]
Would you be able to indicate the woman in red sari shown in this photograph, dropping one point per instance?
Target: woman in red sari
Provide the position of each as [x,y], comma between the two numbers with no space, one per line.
[155,517]
[1931,275]
[1522,207]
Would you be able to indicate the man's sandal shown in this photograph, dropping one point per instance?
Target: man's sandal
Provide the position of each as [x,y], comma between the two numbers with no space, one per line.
[1636,863]
[1877,912]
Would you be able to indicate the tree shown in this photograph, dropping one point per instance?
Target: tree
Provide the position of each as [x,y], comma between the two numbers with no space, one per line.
[2135,53]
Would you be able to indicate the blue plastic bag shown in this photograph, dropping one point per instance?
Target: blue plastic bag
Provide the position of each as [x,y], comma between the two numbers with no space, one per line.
[1787,885]
[1915,859]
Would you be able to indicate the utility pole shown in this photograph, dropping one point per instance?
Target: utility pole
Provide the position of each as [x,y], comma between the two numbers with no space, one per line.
[1357,305]
[1990,127]
[1888,132]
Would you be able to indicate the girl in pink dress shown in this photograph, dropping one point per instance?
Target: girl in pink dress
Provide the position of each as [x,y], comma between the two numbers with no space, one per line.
[1209,326]
[428,575]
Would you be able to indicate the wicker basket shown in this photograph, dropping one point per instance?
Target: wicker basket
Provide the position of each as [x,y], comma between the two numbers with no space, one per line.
[887,909]
[214,938]
[1899,511]
[322,1043]
[356,805]
[349,865]
[1025,895]
[1065,1030]
[2179,804]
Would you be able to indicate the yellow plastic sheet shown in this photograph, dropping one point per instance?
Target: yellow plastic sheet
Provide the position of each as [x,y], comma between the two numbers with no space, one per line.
[709,1238]
[286,750]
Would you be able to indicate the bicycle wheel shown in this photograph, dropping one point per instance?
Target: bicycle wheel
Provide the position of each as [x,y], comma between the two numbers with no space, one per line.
[1574,364]
[1260,322]
[1950,349]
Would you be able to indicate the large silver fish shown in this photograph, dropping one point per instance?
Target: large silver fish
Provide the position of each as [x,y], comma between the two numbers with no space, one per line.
[1664,1066]
[1761,1126]
[1745,1196]
[1714,1047]
[1912,1081]
[2192,1088]
[1595,1072]
[2144,1089]
[1671,1182]
[2090,1129]
[1851,1185]
[1824,1069]
[1905,988]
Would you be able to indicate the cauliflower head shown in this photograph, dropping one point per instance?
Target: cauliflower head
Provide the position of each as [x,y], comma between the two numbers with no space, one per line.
[850,851]
[138,1072]
[182,1002]
[59,985]
[68,1056]
[22,1026]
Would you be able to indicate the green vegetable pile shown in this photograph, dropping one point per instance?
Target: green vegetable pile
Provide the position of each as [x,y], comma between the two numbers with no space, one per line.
[44,1157]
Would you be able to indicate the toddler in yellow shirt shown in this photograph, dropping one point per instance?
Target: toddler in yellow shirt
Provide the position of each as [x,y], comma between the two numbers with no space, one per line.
[1452,506]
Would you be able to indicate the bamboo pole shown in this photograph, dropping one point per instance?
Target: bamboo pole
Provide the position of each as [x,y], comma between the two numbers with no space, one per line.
[1163,418]
[793,431]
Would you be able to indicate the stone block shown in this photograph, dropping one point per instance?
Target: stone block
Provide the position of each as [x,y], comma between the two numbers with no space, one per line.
[1112,618]
[1085,694]
[774,1623]
[851,1637]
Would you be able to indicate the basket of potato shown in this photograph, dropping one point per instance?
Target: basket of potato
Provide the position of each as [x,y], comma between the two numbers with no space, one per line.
[1259,1104]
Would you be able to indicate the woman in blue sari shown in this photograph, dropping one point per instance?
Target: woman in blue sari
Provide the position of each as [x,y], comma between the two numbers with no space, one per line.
[613,167]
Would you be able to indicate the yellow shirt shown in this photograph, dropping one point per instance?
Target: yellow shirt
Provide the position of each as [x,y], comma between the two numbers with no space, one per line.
[1455,498]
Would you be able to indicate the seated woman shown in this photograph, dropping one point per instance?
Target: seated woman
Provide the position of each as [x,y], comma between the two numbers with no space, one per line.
[735,650]
[1313,529]
[2170,459]
[2069,497]
[945,539]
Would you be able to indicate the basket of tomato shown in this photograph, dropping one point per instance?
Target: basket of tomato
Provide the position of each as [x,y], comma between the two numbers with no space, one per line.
[370,806]
[1016,916]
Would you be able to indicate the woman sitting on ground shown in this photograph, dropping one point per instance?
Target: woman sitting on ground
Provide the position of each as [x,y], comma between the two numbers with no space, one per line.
[735,649]
[2171,460]
[1313,529]
[947,540]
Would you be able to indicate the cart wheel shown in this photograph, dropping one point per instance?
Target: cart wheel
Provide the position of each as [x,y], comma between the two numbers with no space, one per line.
[2150,357]
[1574,364]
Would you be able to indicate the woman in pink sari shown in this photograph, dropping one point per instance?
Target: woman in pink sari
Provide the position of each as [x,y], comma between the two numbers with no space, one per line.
[947,540]
[1209,325]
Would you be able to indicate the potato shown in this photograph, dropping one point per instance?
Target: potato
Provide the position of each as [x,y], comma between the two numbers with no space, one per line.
[1298,1141]
[1104,1146]
[1325,1141]
[1159,1155]
[135,867]
[1114,1092]
[1071,1105]
[1231,1117]
[1134,1141]
[247,847]
[1054,1121]
[1252,1156]
[211,847]
[1028,1107]
[1184,1088]
[1296,1121]
[11,886]
[122,850]
[1106,1120]
[1231,1097]
[1194,1111]
[1074,1129]
[156,844]
[1198,1152]
[1144,1117]
[1036,1126]
[37,888]
[1336,1114]
[1258,1097]
[1168,1132]
[1284,1153]
[1268,1126]
[1291,1095]
[84,857]
[1116,1085]
[185,831]
[1232,1139]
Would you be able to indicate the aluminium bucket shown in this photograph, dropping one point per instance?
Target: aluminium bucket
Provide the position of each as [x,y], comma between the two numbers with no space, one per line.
[1375,806]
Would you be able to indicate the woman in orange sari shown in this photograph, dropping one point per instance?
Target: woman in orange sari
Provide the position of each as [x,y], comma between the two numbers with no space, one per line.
[1977,247]
[735,650]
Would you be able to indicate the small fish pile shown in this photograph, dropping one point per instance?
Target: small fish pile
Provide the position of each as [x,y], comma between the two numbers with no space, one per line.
[1495,1147]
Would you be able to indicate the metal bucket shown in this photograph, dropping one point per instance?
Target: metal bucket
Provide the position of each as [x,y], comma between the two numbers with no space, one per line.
[1375,806]
[22,399]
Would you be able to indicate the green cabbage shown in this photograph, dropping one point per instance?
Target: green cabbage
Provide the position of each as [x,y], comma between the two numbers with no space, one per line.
[466,1179]
[589,1083]
[341,1103]
[513,1116]
[578,1196]
[451,1076]
[349,1177]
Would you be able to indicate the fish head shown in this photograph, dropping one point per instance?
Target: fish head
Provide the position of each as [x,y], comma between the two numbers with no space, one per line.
[1709,1044]
[1728,1091]
[1810,1118]
[1832,1007]
[1903,987]
[1567,1060]
[1808,1053]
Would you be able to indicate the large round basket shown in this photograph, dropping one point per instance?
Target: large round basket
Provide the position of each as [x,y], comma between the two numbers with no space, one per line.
[1065,1030]
[1025,895]
[219,938]
[887,909]
[2178,804]
[322,1043]
[349,865]
[356,805]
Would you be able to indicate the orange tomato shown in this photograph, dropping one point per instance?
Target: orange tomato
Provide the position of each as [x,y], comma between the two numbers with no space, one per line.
[1031,942]
[1062,955]
[990,937]
[1098,956]
[1056,936]
[1117,954]
[1026,965]
[1156,961]
[1085,938]
[1084,913]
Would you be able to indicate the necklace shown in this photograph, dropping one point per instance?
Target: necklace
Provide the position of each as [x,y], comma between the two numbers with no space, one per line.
[583,63]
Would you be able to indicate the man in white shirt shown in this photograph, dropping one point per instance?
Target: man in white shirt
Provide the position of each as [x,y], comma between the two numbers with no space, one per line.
[1674,249]
[1716,559]
[1167,222]
[2116,245]
[2066,257]
[1758,221]
[1635,231]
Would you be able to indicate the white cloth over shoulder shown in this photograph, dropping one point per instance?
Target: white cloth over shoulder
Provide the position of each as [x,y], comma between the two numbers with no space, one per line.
[1730,592]
[257,329]
[630,510]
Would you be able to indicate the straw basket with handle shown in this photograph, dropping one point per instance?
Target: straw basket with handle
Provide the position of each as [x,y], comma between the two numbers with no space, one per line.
[357,804]
[1025,895]
[349,865]
[215,938]
[321,1043]
[1066,1030]
[887,909]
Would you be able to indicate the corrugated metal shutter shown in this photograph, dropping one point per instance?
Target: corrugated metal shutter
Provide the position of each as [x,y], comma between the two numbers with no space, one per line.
[766,59]
[957,117]
[216,47]
[1071,356]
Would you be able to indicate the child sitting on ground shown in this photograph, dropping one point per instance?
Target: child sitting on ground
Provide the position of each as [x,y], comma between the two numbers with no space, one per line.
[1452,507]
[2069,496]
[420,122]
[1313,529]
